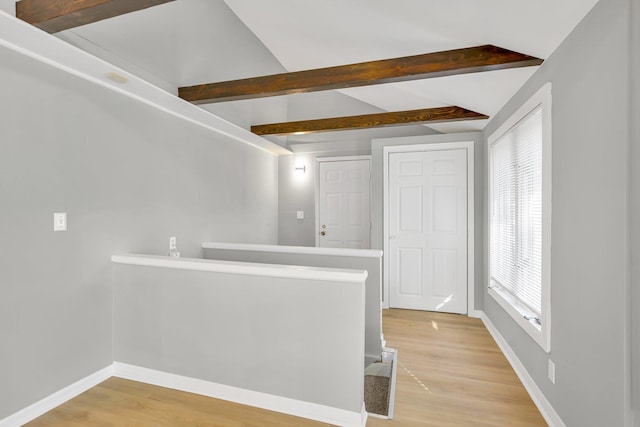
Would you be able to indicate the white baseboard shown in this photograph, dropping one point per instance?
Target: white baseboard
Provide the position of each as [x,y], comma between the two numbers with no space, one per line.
[476,314]
[43,406]
[314,411]
[364,415]
[550,415]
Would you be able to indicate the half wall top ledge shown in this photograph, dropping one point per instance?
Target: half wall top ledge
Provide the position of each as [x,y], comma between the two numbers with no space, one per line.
[28,40]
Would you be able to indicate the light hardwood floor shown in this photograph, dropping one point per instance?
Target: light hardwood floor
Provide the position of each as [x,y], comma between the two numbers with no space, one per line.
[122,403]
[450,373]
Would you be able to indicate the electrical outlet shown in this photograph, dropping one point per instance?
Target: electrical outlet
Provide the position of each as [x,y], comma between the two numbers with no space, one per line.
[300,214]
[172,243]
[552,372]
[60,221]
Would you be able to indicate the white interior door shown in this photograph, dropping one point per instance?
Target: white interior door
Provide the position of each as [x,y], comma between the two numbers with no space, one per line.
[343,199]
[428,230]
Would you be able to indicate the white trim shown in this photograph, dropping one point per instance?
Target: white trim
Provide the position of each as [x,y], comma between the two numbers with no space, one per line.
[541,96]
[343,158]
[56,399]
[364,415]
[392,394]
[542,335]
[32,42]
[306,250]
[519,312]
[256,399]
[244,268]
[316,185]
[549,414]
[380,417]
[467,145]
[476,314]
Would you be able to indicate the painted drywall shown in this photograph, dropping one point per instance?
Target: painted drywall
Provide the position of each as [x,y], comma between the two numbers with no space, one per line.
[8,6]
[194,36]
[326,104]
[589,256]
[373,266]
[296,338]
[128,176]
[202,41]
[377,178]
[297,192]
[634,290]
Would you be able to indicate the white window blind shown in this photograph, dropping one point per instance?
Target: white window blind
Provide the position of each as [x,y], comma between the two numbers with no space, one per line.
[516,212]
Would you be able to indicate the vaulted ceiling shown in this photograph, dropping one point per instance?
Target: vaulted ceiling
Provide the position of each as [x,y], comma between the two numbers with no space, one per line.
[193,42]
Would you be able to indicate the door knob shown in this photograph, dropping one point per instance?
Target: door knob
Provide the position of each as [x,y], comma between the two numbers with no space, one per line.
[322,233]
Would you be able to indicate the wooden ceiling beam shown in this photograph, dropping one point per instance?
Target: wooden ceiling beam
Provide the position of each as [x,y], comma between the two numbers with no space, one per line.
[398,118]
[58,15]
[438,64]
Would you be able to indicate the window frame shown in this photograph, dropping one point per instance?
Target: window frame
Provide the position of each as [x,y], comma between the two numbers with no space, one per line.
[541,334]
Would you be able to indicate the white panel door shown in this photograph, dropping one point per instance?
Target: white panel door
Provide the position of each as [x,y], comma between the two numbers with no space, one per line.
[343,197]
[428,230]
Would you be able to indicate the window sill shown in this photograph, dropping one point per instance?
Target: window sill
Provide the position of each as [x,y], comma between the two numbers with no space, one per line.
[518,312]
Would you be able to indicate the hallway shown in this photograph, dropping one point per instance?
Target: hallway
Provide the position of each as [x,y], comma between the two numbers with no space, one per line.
[450,373]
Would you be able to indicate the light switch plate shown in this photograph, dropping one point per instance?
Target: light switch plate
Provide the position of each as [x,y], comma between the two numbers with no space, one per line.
[300,214]
[60,221]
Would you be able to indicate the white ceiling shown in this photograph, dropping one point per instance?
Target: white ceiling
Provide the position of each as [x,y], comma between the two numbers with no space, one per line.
[305,34]
[189,42]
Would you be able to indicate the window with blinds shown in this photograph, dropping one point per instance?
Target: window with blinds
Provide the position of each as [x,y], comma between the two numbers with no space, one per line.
[519,220]
[516,212]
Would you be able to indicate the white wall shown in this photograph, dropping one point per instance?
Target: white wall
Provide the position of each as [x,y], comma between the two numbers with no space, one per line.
[8,6]
[128,176]
[589,247]
[193,47]
[296,193]
[301,339]
[371,263]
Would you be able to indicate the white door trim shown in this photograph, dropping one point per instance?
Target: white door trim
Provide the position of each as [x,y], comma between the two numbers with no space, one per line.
[467,145]
[316,184]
